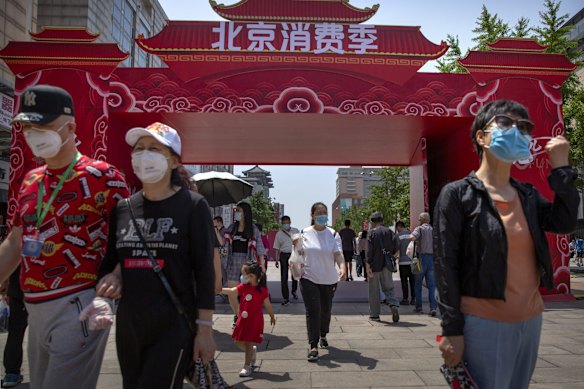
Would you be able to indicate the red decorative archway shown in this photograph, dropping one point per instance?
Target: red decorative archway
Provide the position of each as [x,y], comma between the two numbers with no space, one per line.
[321,89]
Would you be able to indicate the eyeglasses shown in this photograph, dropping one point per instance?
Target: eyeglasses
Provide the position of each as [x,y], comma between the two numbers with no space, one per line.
[505,122]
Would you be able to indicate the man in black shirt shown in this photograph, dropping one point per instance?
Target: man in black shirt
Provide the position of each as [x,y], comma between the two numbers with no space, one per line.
[348,237]
[378,239]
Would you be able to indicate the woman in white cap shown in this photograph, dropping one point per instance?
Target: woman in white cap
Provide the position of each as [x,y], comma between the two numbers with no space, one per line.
[154,341]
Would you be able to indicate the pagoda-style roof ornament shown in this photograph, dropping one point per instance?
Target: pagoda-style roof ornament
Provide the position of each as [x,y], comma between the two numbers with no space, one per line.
[256,169]
[64,34]
[316,11]
[517,58]
[517,44]
[62,47]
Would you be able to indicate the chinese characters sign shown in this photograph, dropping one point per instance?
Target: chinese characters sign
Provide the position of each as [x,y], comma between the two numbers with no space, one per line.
[295,37]
[6,106]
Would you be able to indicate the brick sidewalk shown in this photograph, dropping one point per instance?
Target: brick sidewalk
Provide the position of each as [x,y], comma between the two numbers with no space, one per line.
[363,354]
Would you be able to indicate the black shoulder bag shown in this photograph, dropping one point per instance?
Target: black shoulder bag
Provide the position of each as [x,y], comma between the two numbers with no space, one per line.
[388,259]
[198,375]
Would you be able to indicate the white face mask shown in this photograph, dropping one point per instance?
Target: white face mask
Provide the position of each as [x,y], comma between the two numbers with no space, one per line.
[44,143]
[149,166]
[237,216]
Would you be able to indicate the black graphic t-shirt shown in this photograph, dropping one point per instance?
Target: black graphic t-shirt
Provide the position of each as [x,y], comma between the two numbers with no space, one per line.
[239,244]
[179,234]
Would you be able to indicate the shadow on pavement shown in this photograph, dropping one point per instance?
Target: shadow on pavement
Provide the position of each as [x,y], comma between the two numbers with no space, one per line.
[346,356]
[403,324]
[262,375]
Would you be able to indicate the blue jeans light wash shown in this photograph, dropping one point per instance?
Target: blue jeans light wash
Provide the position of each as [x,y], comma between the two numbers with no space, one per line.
[501,355]
[428,272]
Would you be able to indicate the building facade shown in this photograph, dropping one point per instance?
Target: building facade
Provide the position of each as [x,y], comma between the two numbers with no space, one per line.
[353,187]
[17,18]
[118,21]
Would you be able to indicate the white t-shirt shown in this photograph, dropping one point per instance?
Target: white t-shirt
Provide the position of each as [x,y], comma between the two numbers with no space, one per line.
[319,249]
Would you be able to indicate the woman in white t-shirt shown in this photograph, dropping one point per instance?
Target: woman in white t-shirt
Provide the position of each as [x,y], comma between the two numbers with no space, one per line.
[322,249]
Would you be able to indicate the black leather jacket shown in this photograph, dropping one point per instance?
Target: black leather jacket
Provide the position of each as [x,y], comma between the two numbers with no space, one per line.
[470,245]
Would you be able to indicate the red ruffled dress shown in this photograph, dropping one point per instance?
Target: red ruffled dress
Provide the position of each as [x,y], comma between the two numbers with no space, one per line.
[250,323]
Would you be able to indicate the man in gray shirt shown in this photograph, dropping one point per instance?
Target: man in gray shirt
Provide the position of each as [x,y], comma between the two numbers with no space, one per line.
[422,235]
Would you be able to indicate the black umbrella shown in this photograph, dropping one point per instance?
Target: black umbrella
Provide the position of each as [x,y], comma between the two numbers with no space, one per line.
[221,188]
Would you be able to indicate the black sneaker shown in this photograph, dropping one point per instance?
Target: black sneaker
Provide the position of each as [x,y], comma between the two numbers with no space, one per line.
[413,301]
[374,318]
[404,302]
[323,343]
[11,380]
[285,302]
[294,295]
[394,313]
[313,356]
[432,313]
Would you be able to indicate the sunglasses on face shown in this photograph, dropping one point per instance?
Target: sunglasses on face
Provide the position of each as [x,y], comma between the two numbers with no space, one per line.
[505,122]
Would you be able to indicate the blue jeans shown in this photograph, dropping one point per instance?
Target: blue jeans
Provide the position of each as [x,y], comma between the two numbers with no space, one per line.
[501,355]
[428,272]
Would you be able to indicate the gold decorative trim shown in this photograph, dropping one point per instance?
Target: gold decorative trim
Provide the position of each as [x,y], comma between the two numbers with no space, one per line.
[295,19]
[521,72]
[528,68]
[12,57]
[291,60]
[223,6]
[73,63]
[439,53]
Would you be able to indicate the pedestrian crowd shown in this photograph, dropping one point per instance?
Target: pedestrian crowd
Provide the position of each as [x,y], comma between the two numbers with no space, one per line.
[79,241]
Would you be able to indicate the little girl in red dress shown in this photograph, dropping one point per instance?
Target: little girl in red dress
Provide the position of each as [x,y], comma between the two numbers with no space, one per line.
[249,328]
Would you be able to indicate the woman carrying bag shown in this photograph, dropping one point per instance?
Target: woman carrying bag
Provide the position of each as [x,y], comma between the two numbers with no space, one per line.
[321,248]
[155,342]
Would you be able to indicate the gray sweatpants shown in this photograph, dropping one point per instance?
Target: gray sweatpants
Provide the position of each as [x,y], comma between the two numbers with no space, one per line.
[62,352]
[383,279]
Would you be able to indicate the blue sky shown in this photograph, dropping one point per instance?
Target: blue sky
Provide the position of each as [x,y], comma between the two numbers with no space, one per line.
[300,186]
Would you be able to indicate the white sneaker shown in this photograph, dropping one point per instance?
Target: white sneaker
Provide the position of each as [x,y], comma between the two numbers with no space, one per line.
[245,372]
[254,354]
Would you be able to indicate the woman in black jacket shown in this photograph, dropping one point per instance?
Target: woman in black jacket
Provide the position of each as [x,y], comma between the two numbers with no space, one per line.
[491,253]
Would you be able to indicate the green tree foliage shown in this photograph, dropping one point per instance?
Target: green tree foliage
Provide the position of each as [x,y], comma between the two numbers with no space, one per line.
[391,197]
[489,29]
[521,29]
[263,211]
[449,63]
[552,33]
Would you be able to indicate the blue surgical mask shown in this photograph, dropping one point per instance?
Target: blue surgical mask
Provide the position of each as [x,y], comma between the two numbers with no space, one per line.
[237,216]
[321,220]
[510,145]
[243,279]
[286,226]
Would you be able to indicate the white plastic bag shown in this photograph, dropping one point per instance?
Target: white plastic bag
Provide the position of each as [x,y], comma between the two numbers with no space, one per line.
[297,260]
[4,315]
[410,249]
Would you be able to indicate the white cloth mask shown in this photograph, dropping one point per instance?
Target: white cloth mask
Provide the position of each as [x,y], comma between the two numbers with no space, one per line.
[44,143]
[149,166]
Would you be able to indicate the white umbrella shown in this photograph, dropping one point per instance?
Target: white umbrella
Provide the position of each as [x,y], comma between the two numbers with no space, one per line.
[221,188]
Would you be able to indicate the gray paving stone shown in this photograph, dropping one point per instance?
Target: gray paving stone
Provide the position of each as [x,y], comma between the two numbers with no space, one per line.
[389,379]
[564,360]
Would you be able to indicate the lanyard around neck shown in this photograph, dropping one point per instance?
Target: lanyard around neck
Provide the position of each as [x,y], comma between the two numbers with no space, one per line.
[45,207]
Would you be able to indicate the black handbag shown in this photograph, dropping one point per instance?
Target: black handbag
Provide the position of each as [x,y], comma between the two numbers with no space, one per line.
[198,375]
[389,260]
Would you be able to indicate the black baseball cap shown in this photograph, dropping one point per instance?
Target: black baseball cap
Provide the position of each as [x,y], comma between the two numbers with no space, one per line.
[41,104]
